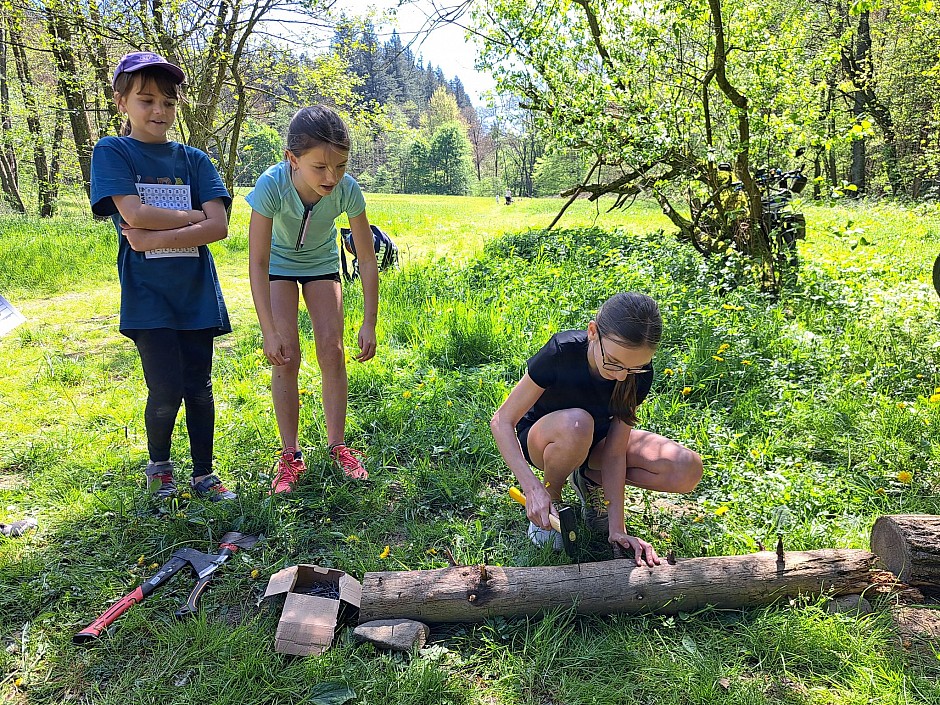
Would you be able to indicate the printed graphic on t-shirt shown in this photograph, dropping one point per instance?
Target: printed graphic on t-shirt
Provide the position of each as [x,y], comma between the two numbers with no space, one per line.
[167,196]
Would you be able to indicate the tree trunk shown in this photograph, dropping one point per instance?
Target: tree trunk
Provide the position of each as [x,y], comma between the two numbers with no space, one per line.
[33,122]
[474,593]
[909,545]
[9,179]
[72,90]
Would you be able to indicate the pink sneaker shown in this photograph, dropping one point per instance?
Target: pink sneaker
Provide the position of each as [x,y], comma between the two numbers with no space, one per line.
[290,466]
[348,461]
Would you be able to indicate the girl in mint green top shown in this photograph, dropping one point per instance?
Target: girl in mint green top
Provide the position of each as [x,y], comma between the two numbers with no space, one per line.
[293,252]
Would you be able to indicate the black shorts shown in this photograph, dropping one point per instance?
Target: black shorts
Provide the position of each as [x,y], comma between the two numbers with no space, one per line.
[304,280]
[522,433]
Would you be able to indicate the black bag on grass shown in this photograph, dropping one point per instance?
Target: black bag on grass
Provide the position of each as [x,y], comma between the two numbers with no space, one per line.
[386,252]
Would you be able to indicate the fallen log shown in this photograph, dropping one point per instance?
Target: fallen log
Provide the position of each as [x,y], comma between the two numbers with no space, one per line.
[909,546]
[474,593]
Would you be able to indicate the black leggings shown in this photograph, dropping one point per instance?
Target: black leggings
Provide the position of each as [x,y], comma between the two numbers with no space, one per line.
[178,367]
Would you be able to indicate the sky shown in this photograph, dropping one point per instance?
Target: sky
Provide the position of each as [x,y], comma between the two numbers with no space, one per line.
[444,46]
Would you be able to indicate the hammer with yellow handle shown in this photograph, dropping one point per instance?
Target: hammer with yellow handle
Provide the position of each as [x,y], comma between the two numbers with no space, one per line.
[565,524]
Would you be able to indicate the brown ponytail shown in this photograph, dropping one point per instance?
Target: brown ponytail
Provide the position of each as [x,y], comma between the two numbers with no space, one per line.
[634,321]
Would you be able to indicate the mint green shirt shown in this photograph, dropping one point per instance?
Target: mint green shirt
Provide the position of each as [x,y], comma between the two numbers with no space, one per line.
[274,196]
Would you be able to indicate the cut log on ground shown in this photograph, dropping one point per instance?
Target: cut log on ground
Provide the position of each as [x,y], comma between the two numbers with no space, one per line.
[909,546]
[474,593]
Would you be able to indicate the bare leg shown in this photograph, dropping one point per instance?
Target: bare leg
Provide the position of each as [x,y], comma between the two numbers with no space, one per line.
[324,300]
[285,300]
[655,462]
[558,443]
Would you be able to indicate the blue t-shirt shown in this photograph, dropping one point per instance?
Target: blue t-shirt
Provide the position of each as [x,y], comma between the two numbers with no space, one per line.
[176,289]
[275,196]
[561,368]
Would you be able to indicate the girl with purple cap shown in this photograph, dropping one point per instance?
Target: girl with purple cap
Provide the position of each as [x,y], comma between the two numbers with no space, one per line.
[167,202]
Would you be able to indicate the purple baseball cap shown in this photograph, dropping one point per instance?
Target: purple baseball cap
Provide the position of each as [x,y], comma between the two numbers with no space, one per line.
[137,60]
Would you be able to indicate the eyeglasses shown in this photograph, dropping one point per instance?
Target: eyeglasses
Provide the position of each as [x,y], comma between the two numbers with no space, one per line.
[304,225]
[614,367]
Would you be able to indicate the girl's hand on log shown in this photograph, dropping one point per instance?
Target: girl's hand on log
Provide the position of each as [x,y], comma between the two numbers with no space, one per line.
[642,550]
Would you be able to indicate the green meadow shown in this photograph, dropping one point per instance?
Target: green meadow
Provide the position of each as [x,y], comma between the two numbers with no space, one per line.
[815,412]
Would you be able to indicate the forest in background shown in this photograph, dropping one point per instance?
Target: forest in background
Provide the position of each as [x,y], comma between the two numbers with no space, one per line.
[620,98]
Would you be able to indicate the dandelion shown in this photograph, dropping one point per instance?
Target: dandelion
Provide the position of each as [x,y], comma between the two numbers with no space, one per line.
[406,395]
[905,477]
[718,358]
[385,551]
[352,538]
[747,362]
[686,391]
[729,307]
[154,566]
[450,403]
[723,348]
[934,398]
[698,519]
[669,372]
[919,376]
[431,552]
[18,682]
[721,510]
[255,573]
[140,561]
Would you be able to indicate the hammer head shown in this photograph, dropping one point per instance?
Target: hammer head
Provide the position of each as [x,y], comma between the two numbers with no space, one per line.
[568,525]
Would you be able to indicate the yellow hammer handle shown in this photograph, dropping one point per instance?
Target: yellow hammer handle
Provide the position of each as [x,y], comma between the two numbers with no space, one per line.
[520,498]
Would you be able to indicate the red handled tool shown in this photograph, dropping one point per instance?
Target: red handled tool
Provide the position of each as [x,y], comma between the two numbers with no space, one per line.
[203,565]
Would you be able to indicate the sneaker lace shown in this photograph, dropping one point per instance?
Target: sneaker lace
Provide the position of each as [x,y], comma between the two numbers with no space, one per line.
[289,468]
[349,461]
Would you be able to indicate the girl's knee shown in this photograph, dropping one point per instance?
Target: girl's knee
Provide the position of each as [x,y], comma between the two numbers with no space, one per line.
[689,471]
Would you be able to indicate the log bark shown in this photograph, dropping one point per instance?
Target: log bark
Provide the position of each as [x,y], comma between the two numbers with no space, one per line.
[909,546]
[474,593]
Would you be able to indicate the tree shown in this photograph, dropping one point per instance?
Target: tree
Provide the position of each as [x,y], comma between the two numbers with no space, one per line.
[449,161]
[657,94]
[261,146]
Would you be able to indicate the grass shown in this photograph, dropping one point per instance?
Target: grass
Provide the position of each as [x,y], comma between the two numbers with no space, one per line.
[815,414]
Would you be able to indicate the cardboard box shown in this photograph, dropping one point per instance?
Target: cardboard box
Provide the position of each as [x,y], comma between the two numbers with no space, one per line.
[316,600]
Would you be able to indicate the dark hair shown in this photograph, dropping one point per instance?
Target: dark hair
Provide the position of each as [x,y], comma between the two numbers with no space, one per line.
[632,320]
[314,126]
[166,83]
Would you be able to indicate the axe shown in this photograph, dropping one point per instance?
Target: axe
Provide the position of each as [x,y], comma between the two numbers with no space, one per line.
[565,524]
[203,565]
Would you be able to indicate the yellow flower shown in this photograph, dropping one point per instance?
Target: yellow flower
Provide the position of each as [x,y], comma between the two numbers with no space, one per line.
[140,561]
[880,490]
[723,348]
[936,390]
[717,358]
[18,683]
[698,519]
[406,395]
[450,403]
[385,551]
[721,510]
[686,391]
[185,495]
[154,566]
[431,552]
[255,573]
[934,398]
[669,372]
[919,376]
[352,538]
[747,362]
[905,477]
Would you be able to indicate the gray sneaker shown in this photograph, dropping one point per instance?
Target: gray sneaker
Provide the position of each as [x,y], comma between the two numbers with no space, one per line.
[544,537]
[593,504]
[160,481]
